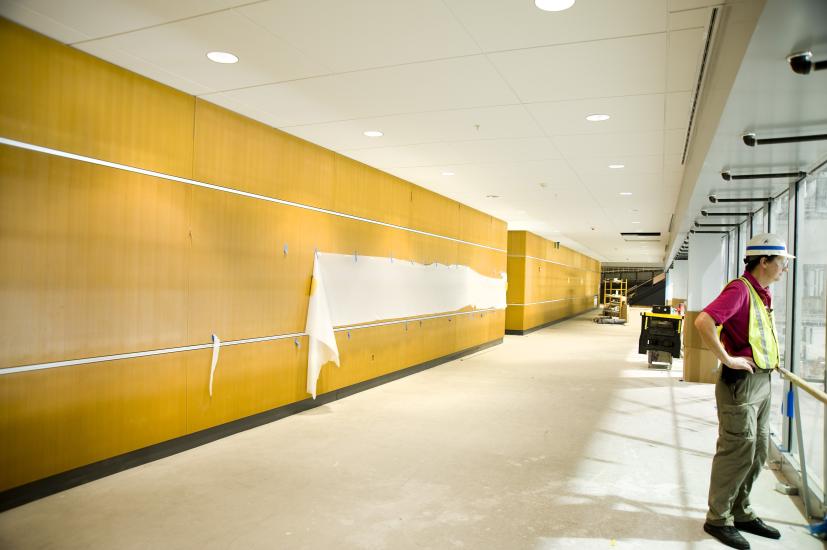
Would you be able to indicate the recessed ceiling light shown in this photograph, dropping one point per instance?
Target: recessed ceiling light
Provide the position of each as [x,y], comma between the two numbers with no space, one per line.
[635,222]
[448,174]
[625,193]
[597,118]
[373,133]
[554,5]
[616,166]
[222,57]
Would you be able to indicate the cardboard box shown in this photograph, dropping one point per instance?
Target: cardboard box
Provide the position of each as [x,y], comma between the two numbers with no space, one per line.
[700,365]
[691,336]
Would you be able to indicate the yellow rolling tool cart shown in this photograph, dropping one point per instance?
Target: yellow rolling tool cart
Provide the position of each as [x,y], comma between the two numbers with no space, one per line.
[660,336]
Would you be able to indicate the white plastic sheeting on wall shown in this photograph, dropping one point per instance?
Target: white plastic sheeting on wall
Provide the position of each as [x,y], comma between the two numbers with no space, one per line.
[351,290]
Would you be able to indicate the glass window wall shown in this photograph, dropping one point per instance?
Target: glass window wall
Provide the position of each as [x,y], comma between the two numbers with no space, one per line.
[808,333]
[742,246]
[779,222]
[732,267]
[758,222]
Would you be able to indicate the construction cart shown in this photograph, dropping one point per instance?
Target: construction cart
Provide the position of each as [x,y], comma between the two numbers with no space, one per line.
[660,336]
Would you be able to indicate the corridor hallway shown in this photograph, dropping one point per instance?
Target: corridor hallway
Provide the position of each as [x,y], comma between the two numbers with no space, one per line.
[559,439]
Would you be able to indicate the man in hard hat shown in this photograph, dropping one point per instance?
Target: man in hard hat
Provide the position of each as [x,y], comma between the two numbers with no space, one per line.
[747,347]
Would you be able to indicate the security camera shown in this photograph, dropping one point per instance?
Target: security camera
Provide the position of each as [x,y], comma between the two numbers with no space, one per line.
[749,139]
[801,62]
[726,175]
[713,199]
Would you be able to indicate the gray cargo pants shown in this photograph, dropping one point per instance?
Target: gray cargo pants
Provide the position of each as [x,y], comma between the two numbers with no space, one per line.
[743,441]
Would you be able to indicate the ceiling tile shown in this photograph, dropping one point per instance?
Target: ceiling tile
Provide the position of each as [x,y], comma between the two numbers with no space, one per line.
[181,48]
[673,179]
[71,21]
[499,25]
[673,163]
[517,179]
[460,83]
[682,5]
[457,152]
[678,105]
[376,33]
[638,113]
[622,66]
[616,146]
[683,62]
[25,14]
[673,141]
[689,19]
[599,166]
[511,121]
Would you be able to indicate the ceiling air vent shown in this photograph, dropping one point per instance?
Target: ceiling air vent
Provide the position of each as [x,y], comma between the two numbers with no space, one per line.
[641,236]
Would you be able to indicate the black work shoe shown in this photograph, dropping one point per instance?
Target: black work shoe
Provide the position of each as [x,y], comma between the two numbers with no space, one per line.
[727,535]
[758,527]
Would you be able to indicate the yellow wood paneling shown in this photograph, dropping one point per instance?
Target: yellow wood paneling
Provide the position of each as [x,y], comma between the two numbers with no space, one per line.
[94,260]
[249,379]
[105,261]
[499,234]
[516,280]
[58,97]
[369,193]
[434,213]
[58,419]
[567,282]
[235,151]
[241,284]
[517,243]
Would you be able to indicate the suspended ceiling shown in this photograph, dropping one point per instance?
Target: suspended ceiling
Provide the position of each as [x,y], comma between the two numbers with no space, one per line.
[494,91]
[766,98]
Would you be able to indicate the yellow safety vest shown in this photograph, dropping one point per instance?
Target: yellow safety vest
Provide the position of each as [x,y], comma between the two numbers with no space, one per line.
[762,337]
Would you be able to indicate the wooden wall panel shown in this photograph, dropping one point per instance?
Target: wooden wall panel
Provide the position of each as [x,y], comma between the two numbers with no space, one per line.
[94,260]
[434,213]
[490,263]
[516,293]
[515,318]
[58,419]
[517,242]
[249,379]
[365,354]
[241,283]
[234,151]
[99,261]
[496,324]
[369,193]
[59,97]
[549,282]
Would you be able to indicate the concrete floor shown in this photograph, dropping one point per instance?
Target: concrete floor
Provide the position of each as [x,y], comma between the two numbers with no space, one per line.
[559,439]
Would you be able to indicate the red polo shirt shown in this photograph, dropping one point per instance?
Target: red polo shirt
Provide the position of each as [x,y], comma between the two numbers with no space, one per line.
[731,309]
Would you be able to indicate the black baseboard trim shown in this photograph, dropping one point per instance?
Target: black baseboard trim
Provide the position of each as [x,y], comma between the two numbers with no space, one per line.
[35,490]
[516,332]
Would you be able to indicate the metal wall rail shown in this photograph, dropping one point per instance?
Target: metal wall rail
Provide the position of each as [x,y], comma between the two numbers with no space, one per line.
[798,382]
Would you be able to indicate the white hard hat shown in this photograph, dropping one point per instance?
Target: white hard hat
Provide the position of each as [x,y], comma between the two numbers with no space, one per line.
[767,244]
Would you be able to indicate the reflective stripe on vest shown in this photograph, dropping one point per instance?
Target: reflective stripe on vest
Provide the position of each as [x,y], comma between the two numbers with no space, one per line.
[762,337]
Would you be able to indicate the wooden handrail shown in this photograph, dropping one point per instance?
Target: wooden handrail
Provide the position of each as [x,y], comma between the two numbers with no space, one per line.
[801,383]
